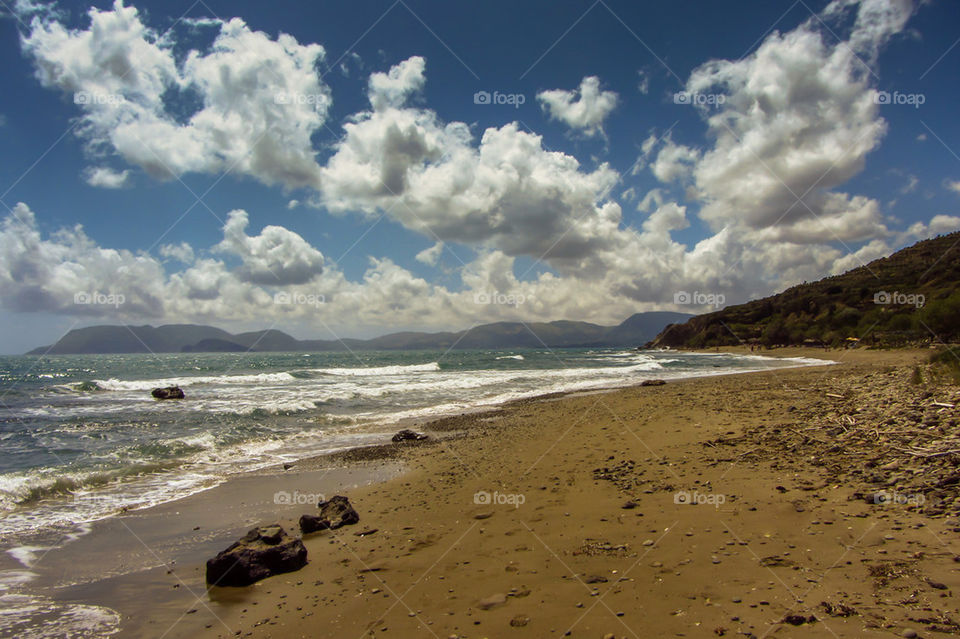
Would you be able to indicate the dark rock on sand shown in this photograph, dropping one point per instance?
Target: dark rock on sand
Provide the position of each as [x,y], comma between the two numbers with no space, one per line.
[262,552]
[170,392]
[652,382]
[334,513]
[313,523]
[409,435]
[338,512]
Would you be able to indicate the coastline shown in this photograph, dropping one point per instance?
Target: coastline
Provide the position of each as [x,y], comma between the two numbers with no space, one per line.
[418,519]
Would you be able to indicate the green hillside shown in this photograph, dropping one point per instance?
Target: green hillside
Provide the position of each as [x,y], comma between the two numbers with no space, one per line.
[911,297]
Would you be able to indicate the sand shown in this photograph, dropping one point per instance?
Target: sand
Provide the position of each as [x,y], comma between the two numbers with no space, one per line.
[572,516]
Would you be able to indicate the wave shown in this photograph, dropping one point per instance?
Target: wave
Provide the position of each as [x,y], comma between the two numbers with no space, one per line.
[148,384]
[372,371]
[518,357]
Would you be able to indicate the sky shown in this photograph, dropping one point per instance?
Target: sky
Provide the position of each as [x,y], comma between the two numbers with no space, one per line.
[339,169]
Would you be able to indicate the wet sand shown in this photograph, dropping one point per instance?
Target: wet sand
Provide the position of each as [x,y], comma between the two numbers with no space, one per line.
[648,511]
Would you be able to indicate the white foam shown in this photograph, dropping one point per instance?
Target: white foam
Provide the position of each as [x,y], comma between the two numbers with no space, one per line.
[148,384]
[517,357]
[34,617]
[380,370]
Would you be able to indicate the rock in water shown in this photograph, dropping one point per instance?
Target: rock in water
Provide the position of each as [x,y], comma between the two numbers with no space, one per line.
[409,435]
[170,392]
[262,552]
[338,512]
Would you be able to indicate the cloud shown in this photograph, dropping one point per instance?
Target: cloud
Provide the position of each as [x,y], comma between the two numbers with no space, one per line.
[107,178]
[276,257]
[181,252]
[952,185]
[260,97]
[508,192]
[431,255]
[584,109]
[798,119]
[392,89]
[643,82]
[39,274]
[674,162]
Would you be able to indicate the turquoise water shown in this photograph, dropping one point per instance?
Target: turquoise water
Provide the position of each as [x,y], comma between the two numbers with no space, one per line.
[82,438]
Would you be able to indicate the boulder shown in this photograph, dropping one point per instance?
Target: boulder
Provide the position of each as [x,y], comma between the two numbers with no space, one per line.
[313,523]
[262,552]
[652,382]
[170,392]
[409,435]
[338,512]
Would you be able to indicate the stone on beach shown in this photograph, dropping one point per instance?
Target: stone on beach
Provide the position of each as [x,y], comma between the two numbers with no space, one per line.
[170,392]
[334,513]
[652,382]
[261,553]
[409,435]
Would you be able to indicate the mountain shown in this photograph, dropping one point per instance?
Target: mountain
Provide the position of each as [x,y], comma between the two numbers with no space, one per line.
[910,297]
[177,338]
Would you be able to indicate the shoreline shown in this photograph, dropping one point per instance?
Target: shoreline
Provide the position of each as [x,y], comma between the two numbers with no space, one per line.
[460,429]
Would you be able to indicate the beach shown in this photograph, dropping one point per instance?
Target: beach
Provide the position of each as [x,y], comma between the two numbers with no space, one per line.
[646,511]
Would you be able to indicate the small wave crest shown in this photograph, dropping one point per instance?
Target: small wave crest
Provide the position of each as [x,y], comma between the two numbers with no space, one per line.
[148,384]
[381,370]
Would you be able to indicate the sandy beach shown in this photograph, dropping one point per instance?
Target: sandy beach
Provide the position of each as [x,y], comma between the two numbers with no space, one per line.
[649,511]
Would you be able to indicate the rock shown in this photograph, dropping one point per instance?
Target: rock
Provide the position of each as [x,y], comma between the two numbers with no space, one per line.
[313,523]
[492,601]
[798,620]
[652,382]
[520,621]
[338,512]
[262,552]
[595,579]
[409,435]
[909,633]
[936,585]
[630,505]
[170,392]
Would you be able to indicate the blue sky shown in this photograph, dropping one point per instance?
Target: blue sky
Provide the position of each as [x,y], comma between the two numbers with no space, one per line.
[229,158]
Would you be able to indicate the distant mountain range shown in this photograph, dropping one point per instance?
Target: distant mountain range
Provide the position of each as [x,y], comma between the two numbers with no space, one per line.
[910,297]
[186,338]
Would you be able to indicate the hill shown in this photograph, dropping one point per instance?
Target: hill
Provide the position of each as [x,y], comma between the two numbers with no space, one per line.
[910,297]
[177,338]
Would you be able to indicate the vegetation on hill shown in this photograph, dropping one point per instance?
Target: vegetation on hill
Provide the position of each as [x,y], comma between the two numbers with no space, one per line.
[910,297]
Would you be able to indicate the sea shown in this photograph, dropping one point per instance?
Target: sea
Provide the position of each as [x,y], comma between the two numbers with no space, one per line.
[82,439]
